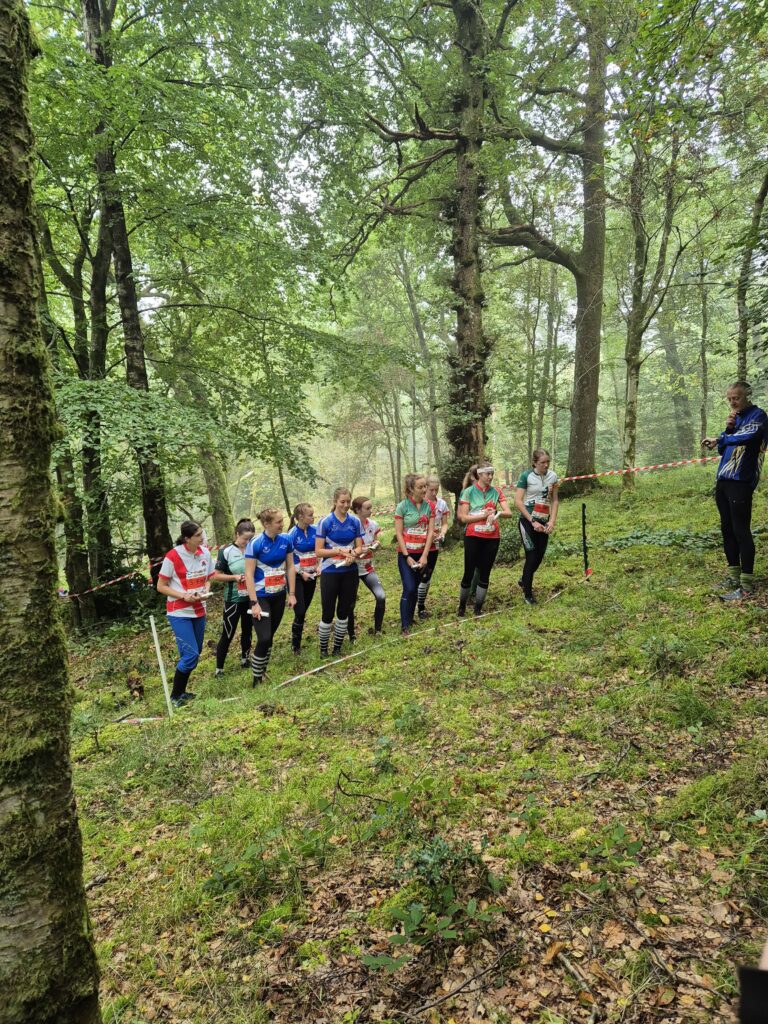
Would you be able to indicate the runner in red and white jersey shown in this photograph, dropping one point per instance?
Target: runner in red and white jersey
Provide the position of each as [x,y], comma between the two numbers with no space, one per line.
[442,514]
[481,505]
[183,579]
[362,507]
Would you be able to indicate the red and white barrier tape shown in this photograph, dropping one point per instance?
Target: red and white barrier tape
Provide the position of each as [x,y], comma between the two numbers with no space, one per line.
[642,469]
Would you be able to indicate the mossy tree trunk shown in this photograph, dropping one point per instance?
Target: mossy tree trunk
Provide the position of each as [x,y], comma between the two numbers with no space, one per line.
[48,971]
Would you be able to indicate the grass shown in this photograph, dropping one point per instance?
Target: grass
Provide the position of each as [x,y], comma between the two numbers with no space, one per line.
[602,755]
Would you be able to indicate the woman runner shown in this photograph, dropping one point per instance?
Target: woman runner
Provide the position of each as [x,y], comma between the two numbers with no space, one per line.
[442,518]
[362,508]
[536,501]
[303,536]
[268,568]
[480,507]
[338,543]
[414,529]
[183,579]
[230,569]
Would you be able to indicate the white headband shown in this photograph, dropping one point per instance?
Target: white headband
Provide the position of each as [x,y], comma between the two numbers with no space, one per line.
[485,469]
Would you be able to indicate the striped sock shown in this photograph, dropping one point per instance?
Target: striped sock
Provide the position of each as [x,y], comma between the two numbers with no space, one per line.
[259,666]
[340,627]
[422,595]
[324,632]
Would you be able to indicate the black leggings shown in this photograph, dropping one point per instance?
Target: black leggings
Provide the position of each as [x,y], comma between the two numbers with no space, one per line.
[734,503]
[372,581]
[534,544]
[305,591]
[338,592]
[265,629]
[234,612]
[479,554]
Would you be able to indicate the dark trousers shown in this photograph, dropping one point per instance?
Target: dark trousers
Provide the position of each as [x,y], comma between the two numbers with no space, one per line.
[338,592]
[734,503]
[265,628]
[534,544]
[411,579]
[305,591]
[234,612]
[479,554]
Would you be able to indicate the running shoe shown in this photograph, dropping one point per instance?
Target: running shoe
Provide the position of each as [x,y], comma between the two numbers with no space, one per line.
[218,672]
[257,681]
[245,662]
[739,594]
[405,632]
[461,611]
[529,599]
[183,699]
[423,613]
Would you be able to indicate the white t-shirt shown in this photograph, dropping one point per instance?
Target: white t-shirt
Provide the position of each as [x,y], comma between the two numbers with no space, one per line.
[183,570]
[371,532]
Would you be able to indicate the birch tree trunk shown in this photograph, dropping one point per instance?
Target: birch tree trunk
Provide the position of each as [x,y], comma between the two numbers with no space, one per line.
[48,972]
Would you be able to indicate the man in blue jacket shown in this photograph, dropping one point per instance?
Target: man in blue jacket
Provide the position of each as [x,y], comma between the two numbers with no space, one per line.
[741,446]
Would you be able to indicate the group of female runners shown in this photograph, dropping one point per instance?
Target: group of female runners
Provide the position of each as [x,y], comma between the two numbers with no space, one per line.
[265,572]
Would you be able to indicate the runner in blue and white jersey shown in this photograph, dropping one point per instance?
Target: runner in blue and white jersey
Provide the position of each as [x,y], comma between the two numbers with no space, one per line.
[303,536]
[269,570]
[338,541]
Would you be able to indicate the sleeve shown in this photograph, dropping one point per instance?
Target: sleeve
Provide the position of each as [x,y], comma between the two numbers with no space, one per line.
[166,569]
[211,566]
[358,528]
[445,508]
[289,548]
[556,481]
[320,532]
[464,497]
[399,511]
[376,533]
[523,481]
[431,508]
[221,562]
[756,428]
[249,552]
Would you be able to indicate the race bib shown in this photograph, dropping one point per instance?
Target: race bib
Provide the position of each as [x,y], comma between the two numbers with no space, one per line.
[541,510]
[307,562]
[196,582]
[242,590]
[415,538]
[485,528]
[274,582]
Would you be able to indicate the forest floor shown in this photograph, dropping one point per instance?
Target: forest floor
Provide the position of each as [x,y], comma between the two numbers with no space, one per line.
[548,814]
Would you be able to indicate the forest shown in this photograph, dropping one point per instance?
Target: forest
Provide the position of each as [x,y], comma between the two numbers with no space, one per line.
[252,252]
[286,249]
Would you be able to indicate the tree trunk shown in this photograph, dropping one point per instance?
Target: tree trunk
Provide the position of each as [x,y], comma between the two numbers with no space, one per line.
[48,970]
[373,465]
[426,356]
[552,328]
[704,339]
[683,419]
[468,405]
[398,445]
[589,280]
[218,495]
[97,29]
[745,274]
[76,569]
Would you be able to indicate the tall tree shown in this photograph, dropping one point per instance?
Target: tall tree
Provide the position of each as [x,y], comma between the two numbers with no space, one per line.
[98,16]
[48,969]
[588,114]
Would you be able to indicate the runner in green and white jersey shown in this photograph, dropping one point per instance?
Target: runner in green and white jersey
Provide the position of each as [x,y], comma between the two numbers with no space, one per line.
[536,501]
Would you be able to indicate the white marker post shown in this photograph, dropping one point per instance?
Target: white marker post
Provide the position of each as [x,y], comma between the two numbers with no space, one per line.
[162,666]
